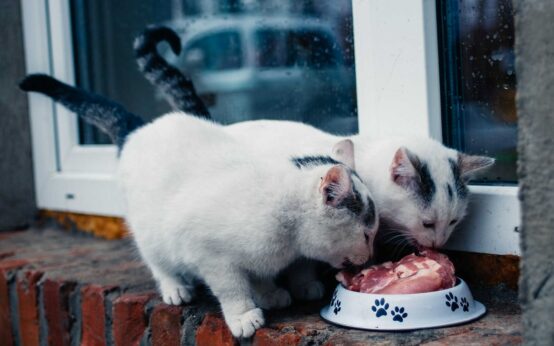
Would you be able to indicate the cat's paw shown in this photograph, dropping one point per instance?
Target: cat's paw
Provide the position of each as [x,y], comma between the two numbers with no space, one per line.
[245,325]
[175,294]
[275,299]
[312,290]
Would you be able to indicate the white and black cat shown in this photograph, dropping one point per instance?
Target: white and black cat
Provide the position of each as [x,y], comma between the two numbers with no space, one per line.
[419,184]
[204,207]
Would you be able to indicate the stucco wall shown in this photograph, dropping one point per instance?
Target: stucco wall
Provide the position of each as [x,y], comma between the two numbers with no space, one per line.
[17,200]
[535,102]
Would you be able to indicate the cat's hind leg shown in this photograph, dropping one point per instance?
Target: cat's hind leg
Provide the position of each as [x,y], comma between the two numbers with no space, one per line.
[267,295]
[233,289]
[174,289]
[302,280]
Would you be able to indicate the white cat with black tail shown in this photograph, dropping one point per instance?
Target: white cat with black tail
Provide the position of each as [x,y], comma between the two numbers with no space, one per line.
[206,208]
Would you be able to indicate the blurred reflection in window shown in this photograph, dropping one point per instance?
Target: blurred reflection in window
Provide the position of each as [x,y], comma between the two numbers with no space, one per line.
[249,59]
[206,52]
[479,82]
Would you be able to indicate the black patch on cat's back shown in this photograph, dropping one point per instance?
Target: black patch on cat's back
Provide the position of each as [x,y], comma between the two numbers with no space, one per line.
[461,188]
[313,160]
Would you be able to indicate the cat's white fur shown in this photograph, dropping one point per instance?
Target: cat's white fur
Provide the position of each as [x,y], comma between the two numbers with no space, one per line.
[205,206]
[374,161]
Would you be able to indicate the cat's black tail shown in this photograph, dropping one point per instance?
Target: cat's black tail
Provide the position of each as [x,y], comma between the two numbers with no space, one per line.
[176,87]
[108,116]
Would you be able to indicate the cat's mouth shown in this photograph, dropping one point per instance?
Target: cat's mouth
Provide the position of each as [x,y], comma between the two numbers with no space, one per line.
[347,263]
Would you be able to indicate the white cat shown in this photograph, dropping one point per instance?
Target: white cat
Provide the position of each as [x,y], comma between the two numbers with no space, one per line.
[202,206]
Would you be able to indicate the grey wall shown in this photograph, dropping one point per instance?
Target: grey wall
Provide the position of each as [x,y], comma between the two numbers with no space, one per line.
[17,198]
[535,103]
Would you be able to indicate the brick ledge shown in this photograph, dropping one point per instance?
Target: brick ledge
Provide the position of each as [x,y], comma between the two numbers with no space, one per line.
[61,289]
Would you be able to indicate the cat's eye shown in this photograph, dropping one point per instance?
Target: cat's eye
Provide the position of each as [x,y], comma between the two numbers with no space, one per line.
[453,222]
[429,224]
[366,238]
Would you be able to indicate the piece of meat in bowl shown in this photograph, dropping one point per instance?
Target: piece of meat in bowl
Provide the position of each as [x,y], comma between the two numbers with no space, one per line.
[427,271]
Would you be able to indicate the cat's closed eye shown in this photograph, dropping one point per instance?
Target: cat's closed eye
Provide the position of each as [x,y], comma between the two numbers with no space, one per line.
[453,222]
[429,224]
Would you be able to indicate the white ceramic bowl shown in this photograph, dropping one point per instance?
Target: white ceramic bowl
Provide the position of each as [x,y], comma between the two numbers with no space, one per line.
[402,311]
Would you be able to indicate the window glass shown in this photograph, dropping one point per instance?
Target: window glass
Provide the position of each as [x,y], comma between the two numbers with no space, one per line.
[304,49]
[273,59]
[206,52]
[479,82]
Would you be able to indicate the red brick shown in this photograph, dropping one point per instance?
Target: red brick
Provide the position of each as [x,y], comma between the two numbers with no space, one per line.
[93,315]
[6,337]
[56,310]
[272,337]
[12,264]
[27,293]
[214,332]
[165,325]
[129,319]
[6,254]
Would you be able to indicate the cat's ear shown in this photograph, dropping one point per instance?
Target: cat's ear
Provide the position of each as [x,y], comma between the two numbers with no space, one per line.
[336,185]
[403,168]
[343,151]
[471,164]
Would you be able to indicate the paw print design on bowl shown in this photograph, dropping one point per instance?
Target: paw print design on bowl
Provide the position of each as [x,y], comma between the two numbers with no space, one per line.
[334,298]
[452,302]
[399,314]
[336,307]
[465,304]
[380,308]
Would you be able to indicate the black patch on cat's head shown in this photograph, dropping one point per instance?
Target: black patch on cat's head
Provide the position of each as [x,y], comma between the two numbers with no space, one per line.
[450,192]
[353,202]
[461,188]
[369,217]
[425,184]
[313,160]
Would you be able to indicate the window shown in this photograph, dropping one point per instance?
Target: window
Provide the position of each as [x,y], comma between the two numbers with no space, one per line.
[375,71]
[479,82]
[248,60]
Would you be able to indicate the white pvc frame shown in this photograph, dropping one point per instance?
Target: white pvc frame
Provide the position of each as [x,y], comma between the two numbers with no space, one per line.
[398,93]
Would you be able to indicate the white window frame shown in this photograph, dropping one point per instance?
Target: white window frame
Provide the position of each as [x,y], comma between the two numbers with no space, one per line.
[398,87]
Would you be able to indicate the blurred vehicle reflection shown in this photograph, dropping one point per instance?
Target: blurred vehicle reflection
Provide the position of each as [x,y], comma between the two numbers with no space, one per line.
[256,67]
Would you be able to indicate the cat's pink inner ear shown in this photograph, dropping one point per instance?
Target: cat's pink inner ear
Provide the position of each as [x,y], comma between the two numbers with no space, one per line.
[470,164]
[402,170]
[343,151]
[336,185]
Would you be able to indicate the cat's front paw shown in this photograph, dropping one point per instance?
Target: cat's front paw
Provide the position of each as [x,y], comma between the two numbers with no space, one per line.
[245,324]
[175,294]
[311,290]
[275,299]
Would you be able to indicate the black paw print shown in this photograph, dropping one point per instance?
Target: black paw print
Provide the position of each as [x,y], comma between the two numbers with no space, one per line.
[380,307]
[334,297]
[452,301]
[398,314]
[337,307]
[465,304]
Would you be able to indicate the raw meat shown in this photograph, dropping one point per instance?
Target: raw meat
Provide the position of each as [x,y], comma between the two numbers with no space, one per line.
[426,272]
